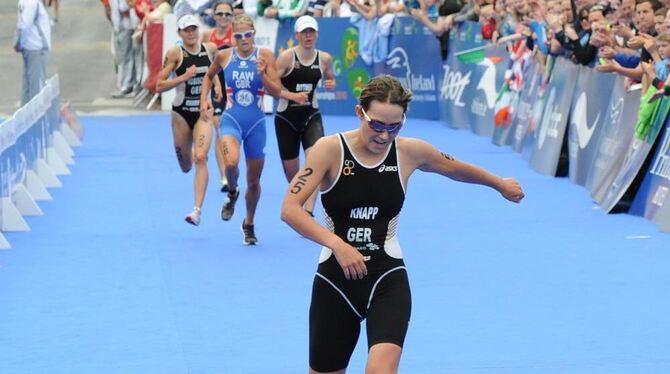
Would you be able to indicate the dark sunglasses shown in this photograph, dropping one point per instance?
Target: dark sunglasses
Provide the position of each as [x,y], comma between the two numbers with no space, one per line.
[223,14]
[377,126]
[244,35]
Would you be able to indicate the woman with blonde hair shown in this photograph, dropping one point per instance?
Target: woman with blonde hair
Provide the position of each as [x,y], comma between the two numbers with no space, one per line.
[249,73]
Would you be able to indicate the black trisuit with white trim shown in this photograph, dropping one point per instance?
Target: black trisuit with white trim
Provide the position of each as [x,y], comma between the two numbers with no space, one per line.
[362,207]
[187,100]
[299,123]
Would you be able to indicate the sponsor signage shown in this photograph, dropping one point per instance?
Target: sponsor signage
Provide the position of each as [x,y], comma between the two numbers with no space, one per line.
[655,188]
[587,118]
[411,50]
[636,153]
[552,127]
[617,133]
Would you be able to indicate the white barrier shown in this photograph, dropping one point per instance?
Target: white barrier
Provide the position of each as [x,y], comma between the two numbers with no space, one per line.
[35,147]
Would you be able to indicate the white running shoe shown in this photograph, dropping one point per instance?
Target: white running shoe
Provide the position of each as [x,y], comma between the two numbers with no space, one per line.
[194,217]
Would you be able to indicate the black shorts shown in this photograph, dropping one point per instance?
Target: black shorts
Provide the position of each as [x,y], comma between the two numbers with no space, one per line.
[339,306]
[190,117]
[294,126]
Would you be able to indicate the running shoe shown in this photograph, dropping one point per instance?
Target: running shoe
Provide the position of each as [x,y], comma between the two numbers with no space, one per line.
[228,207]
[194,217]
[249,235]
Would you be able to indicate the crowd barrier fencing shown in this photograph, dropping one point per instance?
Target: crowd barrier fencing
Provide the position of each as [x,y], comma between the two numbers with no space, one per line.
[548,110]
[35,149]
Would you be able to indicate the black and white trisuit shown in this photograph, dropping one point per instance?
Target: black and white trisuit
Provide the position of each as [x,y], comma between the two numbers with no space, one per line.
[299,123]
[187,100]
[362,207]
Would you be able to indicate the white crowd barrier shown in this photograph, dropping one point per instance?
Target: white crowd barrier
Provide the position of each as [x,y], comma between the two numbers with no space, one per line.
[35,149]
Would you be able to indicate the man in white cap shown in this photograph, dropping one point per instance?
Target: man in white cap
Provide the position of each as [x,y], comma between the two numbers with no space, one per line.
[192,135]
[301,68]
[33,41]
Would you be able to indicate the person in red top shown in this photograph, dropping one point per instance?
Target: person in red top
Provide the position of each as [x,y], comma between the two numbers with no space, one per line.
[143,7]
[488,21]
[222,34]
[222,37]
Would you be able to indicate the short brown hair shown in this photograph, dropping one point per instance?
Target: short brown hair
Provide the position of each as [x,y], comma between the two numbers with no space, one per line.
[654,3]
[385,89]
[665,37]
[661,11]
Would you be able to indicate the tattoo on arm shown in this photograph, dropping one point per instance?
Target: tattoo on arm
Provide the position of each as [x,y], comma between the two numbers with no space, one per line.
[165,61]
[448,157]
[302,179]
[201,141]
[225,149]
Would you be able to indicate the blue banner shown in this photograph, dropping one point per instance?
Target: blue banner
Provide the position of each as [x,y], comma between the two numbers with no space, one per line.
[413,57]
[663,216]
[592,95]
[529,95]
[537,109]
[636,154]
[617,134]
[655,187]
[339,38]
[468,90]
[554,118]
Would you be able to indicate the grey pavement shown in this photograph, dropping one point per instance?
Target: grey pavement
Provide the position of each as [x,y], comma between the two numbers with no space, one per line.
[81,56]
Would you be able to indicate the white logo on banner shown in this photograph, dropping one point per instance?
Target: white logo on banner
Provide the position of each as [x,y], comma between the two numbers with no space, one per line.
[616,111]
[659,196]
[612,139]
[398,62]
[544,125]
[398,59]
[661,165]
[453,85]
[579,120]
[550,121]
[488,82]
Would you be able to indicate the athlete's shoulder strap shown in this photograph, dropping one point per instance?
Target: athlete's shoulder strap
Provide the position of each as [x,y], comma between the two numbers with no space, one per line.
[345,146]
[393,153]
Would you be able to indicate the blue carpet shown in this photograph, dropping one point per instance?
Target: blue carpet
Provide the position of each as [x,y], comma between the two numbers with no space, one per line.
[112,280]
